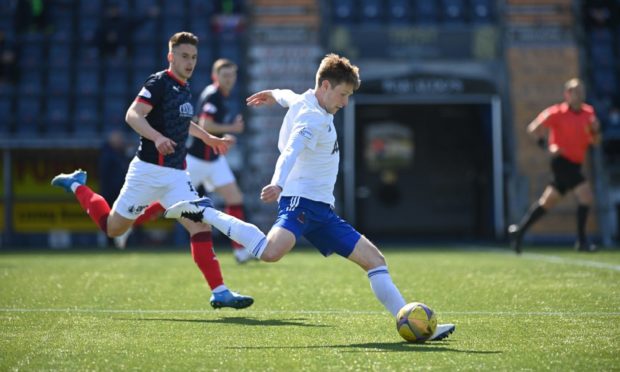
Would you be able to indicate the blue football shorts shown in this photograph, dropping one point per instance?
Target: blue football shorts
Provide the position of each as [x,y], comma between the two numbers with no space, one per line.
[318,223]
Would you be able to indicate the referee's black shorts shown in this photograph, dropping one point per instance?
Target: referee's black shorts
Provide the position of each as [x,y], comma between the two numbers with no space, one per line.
[566,174]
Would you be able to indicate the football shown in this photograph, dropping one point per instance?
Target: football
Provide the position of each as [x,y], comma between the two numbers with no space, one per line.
[416,322]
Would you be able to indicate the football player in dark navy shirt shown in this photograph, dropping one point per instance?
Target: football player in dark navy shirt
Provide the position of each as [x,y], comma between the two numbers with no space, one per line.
[162,114]
[207,168]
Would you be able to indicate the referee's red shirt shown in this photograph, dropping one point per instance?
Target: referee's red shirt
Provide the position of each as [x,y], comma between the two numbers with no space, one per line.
[569,130]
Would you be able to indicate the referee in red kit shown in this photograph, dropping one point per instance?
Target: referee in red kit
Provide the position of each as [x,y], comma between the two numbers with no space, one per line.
[572,127]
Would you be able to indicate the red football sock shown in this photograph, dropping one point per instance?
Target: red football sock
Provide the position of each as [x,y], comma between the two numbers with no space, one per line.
[151,213]
[202,252]
[236,211]
[95,205]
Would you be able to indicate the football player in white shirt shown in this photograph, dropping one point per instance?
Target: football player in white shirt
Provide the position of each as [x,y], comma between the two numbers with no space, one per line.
[304,180]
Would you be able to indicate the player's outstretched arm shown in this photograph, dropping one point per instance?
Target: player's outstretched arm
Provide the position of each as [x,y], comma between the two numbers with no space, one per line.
[284,97]
[262,98]
[219,145]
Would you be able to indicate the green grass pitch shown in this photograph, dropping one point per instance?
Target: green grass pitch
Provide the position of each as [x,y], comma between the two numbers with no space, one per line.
[551,309]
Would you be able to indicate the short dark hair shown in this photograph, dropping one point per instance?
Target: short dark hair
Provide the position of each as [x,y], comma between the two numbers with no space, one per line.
[182,37]
[222,63]
[338,70]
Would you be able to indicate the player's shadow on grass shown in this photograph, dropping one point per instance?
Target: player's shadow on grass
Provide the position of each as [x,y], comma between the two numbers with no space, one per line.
[297,322]
[380,347]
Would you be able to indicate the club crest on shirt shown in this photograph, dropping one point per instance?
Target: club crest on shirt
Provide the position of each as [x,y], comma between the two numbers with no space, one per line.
[186,110]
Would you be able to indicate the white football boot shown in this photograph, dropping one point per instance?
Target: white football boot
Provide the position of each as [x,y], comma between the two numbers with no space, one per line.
[442,331]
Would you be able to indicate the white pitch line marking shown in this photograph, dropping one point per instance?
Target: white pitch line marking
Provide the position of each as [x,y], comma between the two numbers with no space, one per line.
[558,259]
[308,312]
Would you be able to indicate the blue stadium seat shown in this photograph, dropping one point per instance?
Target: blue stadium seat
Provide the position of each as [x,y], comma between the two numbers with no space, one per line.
[173,8]
[114,110]
[344,12]
[87,56]
[144,32]
[87,81]
[90,8]
[59,54]
[115,81]
[31,54]
[602,54]
[28,116]
[453,11]
[57,116]
[201,27]
[87,27]
[142,7]
[605,81]
[425,12]
[371,12]
[171,26]
[201,8]
[399,12]
[482,11]
[63,28]
[59,81]
[6,112]
[231,51]
[145,55]
[86,115]
[31,83]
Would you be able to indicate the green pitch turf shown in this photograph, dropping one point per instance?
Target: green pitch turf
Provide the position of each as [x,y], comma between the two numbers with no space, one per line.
[550,309]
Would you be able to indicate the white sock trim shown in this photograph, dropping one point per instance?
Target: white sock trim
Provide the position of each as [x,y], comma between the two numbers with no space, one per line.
[74,186]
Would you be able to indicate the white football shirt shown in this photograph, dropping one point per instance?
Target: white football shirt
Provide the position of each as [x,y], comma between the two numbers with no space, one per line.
[311,170]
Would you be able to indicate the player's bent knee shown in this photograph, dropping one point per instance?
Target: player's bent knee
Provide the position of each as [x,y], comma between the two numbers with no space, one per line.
[271,255]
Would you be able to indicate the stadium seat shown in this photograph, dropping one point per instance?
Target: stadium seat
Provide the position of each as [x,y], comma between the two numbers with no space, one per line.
[482,11]
[172,25]
[31,54]
[371,12]
[115,81]
[605,81]
[344,12]
[142,7]
[28,116]
[172,8]
[602,54]
[114,110]
[87,27]
[144,32]
[59,81]
[87,56]
[87,81]
[453,11]
[59,54]
[90,8]
[425,12]
[201,8]
[6,110]
[30,83]
[85,116]
[399,12]
[57,116]
[201,27]
[63,28]
[145,56]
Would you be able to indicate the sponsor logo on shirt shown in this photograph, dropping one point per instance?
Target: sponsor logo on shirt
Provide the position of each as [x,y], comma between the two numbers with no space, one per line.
[306,133]
[186,110]
[145,93]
